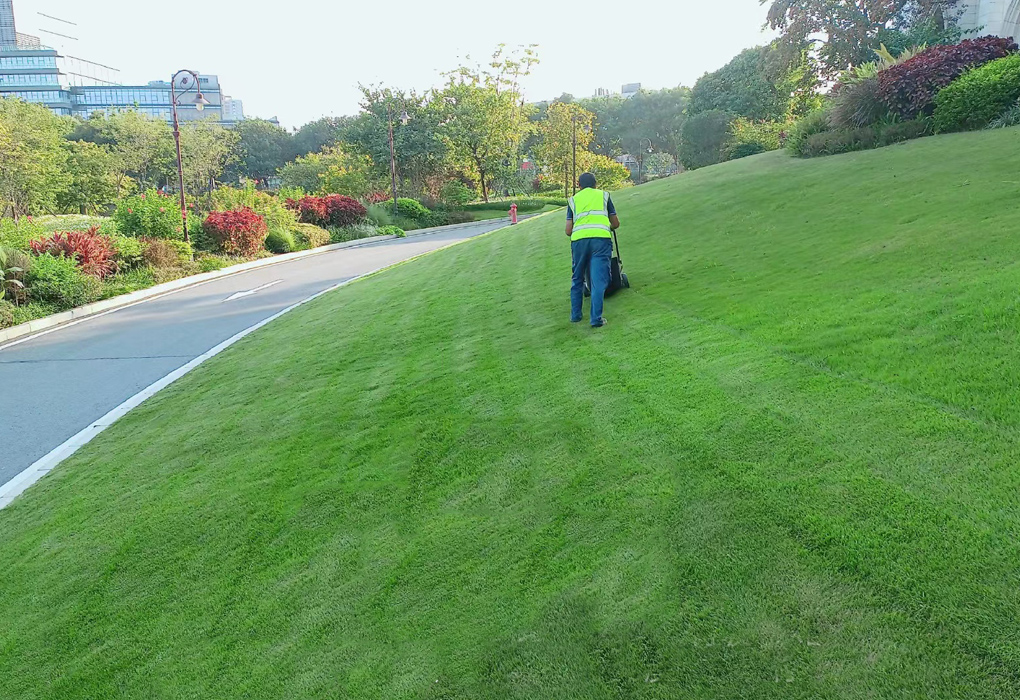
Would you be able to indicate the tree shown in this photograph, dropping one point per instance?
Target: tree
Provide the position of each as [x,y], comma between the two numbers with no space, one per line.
[93,178]
[666,115]
[206,151]
[32,158]
[848,28]
[141,148]
[556,150]
[484,118]
[262,148]
[421,154]
[609,174]
[321,133]
[704,139]
[744,87]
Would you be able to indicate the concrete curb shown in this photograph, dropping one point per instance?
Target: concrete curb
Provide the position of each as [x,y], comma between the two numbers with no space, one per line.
[119,302]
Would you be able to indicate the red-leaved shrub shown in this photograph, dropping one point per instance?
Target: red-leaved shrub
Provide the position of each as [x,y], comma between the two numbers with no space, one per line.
[92,251]
[241,232]
[334,210]
[909,89]
[376,197]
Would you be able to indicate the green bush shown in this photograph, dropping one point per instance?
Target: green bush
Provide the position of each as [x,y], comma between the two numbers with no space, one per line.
[743,150]
[59,281]
[410,209]
[18,234]
[897,132]
[6,314]
[455,193]
[813,124]
[279,241]
[310,235]
[846,140]
[162,253]
[127,252]
[77,222]
[211,263]
[352,233]
[380,214]
[150,214]
[391,231]
[766,134]
[1011,117]
[979,96]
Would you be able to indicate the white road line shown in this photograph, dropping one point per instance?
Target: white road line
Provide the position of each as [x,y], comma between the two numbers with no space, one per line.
[249,292]
[42,466]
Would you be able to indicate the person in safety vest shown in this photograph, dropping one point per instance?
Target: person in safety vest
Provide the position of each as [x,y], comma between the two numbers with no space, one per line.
[591,219]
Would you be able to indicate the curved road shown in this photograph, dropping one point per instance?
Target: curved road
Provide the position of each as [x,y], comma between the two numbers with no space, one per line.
[57,384]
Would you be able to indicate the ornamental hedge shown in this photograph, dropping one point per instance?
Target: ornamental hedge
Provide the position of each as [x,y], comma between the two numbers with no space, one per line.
[909,89]
[979,96]
[333,211]
[241,232]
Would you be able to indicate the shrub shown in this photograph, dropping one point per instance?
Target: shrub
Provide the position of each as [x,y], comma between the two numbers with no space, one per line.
[334,210]
[272,209]
[457,217]
[811,125]
[523,205]
[411,209]
[376,197]
[704,139]
[455,193]
[59,281]
[897,132]
[6,314]
[150,214]
[743,150]
[391,231]
[280,241]
[1011,117]
[857,105]
[210,263]
[92,251]
[161,253]
[237,232]
[766,134]
[310,235]
[908,90]
[838,141]
[352,233]
[19,234]
[978,96]
[127,252]
[380,214]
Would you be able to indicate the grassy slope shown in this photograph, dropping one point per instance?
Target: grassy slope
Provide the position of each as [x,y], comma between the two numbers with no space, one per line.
[787,469]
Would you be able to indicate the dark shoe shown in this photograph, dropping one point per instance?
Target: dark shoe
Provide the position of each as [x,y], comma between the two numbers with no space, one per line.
[602,322]
[576,320]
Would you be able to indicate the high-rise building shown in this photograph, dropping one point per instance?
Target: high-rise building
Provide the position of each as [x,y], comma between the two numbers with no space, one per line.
[233,110]
[630,89]
[73,86]
[8,33]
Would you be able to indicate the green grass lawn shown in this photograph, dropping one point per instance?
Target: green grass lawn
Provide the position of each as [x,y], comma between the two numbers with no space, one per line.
[788,468]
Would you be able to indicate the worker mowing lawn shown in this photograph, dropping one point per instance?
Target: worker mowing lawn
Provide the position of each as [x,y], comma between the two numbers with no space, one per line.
[591,220]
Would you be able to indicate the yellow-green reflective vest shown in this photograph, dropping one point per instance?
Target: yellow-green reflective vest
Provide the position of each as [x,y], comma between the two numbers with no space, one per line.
[591,214]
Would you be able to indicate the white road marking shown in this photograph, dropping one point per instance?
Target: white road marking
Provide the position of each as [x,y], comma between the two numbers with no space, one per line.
[249,292]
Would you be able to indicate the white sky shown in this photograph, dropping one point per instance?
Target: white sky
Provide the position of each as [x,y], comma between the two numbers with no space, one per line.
[301,59]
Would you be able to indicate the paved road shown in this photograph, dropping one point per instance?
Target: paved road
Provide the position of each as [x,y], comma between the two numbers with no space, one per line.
[57,384]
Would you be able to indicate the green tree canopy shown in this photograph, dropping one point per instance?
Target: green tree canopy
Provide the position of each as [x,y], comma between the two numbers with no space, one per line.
[262,148]
[749,86]
[33,159]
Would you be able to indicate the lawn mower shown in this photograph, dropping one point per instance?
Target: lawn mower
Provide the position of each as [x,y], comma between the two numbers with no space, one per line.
[617,277]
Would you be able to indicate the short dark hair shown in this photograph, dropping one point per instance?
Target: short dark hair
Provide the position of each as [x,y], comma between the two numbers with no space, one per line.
[587,180]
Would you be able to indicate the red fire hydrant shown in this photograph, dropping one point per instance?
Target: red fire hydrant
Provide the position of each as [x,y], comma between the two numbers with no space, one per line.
[513,214]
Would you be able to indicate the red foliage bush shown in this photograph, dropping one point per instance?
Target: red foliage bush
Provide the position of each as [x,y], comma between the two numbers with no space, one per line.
[241,232]
[909,89]
[91,250]
[376,197]
[333,210]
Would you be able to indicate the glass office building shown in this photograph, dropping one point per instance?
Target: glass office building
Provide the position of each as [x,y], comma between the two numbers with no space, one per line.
[73,86]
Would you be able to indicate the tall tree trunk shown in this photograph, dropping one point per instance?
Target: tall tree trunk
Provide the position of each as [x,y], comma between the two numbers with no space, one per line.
[485,189]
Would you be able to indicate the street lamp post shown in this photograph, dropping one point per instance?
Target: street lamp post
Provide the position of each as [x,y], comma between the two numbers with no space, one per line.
[200,102]
[641,163]
[573,167]
[404,118]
